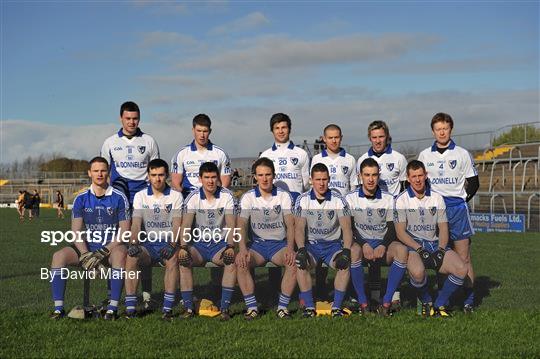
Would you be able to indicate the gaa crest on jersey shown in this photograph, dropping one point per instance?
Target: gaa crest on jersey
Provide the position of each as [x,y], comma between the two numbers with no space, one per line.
[110,211]
[168,208]
[390,166]
[331,214]
[277,209]
[381,212]
[453,164]
[433,210]
[422,211]
[141,149]
[345,169]
[294,160]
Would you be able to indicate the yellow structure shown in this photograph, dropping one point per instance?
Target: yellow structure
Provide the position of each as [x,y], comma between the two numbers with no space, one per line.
[493,153]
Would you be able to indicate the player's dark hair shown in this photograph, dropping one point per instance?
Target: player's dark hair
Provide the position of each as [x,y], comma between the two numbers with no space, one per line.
[129,106]
[202,119]
[332,127]
[319,167]
[369,162]
[415,165]
[98,159]
[266,162]
[158,163]
[208,167]
[377,125]
[442,117]
[279,117]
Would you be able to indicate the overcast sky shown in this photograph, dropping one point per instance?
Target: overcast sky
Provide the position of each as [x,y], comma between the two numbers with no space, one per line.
[67,66]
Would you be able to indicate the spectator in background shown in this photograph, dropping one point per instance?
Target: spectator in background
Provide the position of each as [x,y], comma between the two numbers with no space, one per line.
[36,201]
[235,177]
[28,202]
[59,205]
[20,204]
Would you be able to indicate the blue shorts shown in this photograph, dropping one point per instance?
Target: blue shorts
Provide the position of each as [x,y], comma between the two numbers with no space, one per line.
[373,243]
[430,246]
[208,250]
[459,222]
[324,250]
[267,248]
[153,251]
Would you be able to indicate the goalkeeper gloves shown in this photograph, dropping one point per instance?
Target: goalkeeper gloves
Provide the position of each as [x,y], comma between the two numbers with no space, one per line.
[184,257]
[134,250]
[437,257]
[228,255]
[167,251]
[343,259]
[302,256]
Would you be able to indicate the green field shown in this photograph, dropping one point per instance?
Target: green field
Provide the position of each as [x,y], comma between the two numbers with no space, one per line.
[506,323]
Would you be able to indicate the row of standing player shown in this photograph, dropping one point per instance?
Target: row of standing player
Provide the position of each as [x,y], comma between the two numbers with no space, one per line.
[129,150]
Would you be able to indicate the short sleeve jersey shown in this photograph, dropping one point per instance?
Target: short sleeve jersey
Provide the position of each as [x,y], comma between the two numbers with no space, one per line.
[447,171]
[341,167]
[421,215]
[101,215]
[292,166]
[370,215]
[210,214]
[392,166]
[157,213]
[266,216]
[322,219]
[188,161]
[129,157]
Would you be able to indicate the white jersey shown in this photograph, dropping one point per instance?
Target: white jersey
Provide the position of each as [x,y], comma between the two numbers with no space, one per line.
[393,169]
[322,219]
[447,171]
[188,161]
[292,166]
[370,215]
[157,213]
[210,214]
[266,216]
[129,157]
[341,167]
[421,215]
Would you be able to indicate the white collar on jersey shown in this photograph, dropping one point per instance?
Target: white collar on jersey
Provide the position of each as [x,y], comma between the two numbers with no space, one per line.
[108,191]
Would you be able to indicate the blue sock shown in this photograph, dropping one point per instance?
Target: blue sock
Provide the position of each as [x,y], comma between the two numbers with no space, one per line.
[131,303]
[306,298]
[187,297]
[357,277]
[397,270]
[58,287]
[423,293]
[168,301]
[469,296]
[338,299]
[117,282]
[251,302]
[226,296]
[451,284]
[283,301]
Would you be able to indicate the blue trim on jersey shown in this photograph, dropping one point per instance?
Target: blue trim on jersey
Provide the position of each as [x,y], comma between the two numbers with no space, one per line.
[327,195]
[193,146]
[138,133]
[451,146]
[216,194]
[387,150]
[342,152]
[290,146]
[166,191]
[258,192]
[410,191]
[361,194]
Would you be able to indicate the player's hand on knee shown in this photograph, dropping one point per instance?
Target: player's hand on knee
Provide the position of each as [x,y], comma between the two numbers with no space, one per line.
[437,257]
[228,255]
[184,256]
[167,252]
[367,251]
[134,250]
[243,258]
[379,252]
[302,258]
[425,256]
[343,259]
[289,256]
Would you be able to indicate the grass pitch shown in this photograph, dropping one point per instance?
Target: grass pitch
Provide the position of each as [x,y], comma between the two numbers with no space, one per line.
[506,323]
